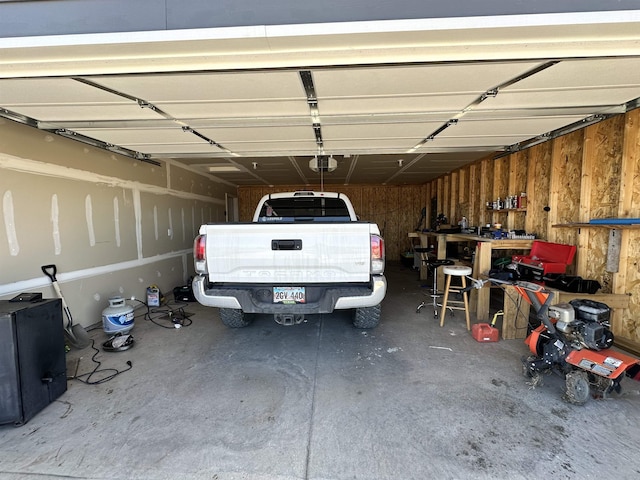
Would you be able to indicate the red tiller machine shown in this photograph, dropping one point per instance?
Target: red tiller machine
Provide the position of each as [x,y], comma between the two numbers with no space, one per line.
[575,339]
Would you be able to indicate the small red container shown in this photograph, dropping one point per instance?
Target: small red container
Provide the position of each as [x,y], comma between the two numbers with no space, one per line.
[483,332]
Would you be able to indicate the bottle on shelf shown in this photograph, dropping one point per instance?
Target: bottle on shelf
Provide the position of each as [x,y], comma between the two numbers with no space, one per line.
[522,200]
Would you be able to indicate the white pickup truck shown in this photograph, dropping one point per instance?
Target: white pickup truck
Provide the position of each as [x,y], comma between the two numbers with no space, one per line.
[304,253]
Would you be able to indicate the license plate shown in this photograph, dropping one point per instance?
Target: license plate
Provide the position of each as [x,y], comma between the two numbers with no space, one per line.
[289,295]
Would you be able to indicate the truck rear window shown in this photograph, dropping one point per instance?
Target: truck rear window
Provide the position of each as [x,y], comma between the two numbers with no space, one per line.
[301,209]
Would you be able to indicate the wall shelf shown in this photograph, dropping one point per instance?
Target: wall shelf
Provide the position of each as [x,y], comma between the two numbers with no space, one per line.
[611,226]
[494,210]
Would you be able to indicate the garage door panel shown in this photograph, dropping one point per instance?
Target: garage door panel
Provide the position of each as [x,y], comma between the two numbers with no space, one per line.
[515,127]
[464,79]
[203,86]
[446,105]
[596,99]
[240,110]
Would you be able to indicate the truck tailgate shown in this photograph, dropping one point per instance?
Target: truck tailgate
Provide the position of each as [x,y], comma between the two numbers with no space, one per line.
[287,253]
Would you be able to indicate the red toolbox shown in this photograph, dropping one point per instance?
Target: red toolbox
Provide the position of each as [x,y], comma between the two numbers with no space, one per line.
[483,332]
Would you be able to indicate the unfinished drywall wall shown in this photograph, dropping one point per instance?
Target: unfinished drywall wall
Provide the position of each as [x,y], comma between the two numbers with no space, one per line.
[112,225]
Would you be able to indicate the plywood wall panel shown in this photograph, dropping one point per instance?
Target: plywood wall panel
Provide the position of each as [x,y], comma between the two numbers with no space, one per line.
[501,178]
[606,169]
[566,172]
[476,205]
[628,325]
[446,197]
[454,203]
[538,184]
[486,190]
[395,241]
[463,184]
[627,280]
[441,202]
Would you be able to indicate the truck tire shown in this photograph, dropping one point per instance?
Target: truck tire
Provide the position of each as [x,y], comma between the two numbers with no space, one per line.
[367,317]
[234,318]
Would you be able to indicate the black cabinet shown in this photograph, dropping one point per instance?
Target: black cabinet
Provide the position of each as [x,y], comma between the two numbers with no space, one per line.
[33,370]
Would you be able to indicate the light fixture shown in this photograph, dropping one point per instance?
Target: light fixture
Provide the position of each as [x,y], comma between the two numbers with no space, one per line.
[224,168]
[255,165]
[400,162]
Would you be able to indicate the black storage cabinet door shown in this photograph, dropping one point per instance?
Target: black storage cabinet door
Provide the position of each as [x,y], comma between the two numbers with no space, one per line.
[33,369]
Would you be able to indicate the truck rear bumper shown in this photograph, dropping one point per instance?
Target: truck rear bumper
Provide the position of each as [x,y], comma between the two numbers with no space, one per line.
[256,298]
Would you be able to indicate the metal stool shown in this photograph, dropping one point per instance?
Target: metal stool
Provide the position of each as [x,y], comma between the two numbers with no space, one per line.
[435,294]
[461,272]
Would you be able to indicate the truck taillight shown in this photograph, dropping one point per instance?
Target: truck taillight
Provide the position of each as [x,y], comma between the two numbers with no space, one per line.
[200,254]
[377,254]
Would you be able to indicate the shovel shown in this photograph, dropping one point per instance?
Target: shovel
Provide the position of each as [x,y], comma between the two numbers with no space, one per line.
[76,334]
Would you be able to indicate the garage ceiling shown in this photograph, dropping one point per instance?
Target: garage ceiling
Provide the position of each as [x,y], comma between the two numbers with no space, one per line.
[386,123]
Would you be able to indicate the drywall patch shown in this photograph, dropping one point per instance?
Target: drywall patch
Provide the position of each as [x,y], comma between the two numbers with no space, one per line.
[184,231]
[88,210]
[9,223]
[55,224]
[193,220]
[155,221]
[116,219]
[137,208]
[170,225]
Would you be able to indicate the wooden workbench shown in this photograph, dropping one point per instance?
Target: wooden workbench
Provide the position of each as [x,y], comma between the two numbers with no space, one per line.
[482,265]
[482,262]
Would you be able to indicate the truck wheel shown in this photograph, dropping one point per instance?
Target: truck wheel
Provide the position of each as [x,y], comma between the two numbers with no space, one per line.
[367,317]
[234,318]
[577,384]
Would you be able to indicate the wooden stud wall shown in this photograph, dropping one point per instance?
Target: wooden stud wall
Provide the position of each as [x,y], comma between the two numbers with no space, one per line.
[517,185]
[476,206]
[627,280]
[538,183]
[566,163]
[589,173]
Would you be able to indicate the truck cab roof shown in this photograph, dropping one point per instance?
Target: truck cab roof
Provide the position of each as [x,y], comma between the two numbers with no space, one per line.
[305,206]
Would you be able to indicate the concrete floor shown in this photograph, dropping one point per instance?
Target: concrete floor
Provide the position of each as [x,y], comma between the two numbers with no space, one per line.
[408,400]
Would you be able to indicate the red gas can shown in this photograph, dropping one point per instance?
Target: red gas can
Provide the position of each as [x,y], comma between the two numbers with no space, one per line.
[483,332]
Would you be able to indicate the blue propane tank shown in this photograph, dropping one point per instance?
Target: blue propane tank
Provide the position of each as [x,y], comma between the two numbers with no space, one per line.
[117,317]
